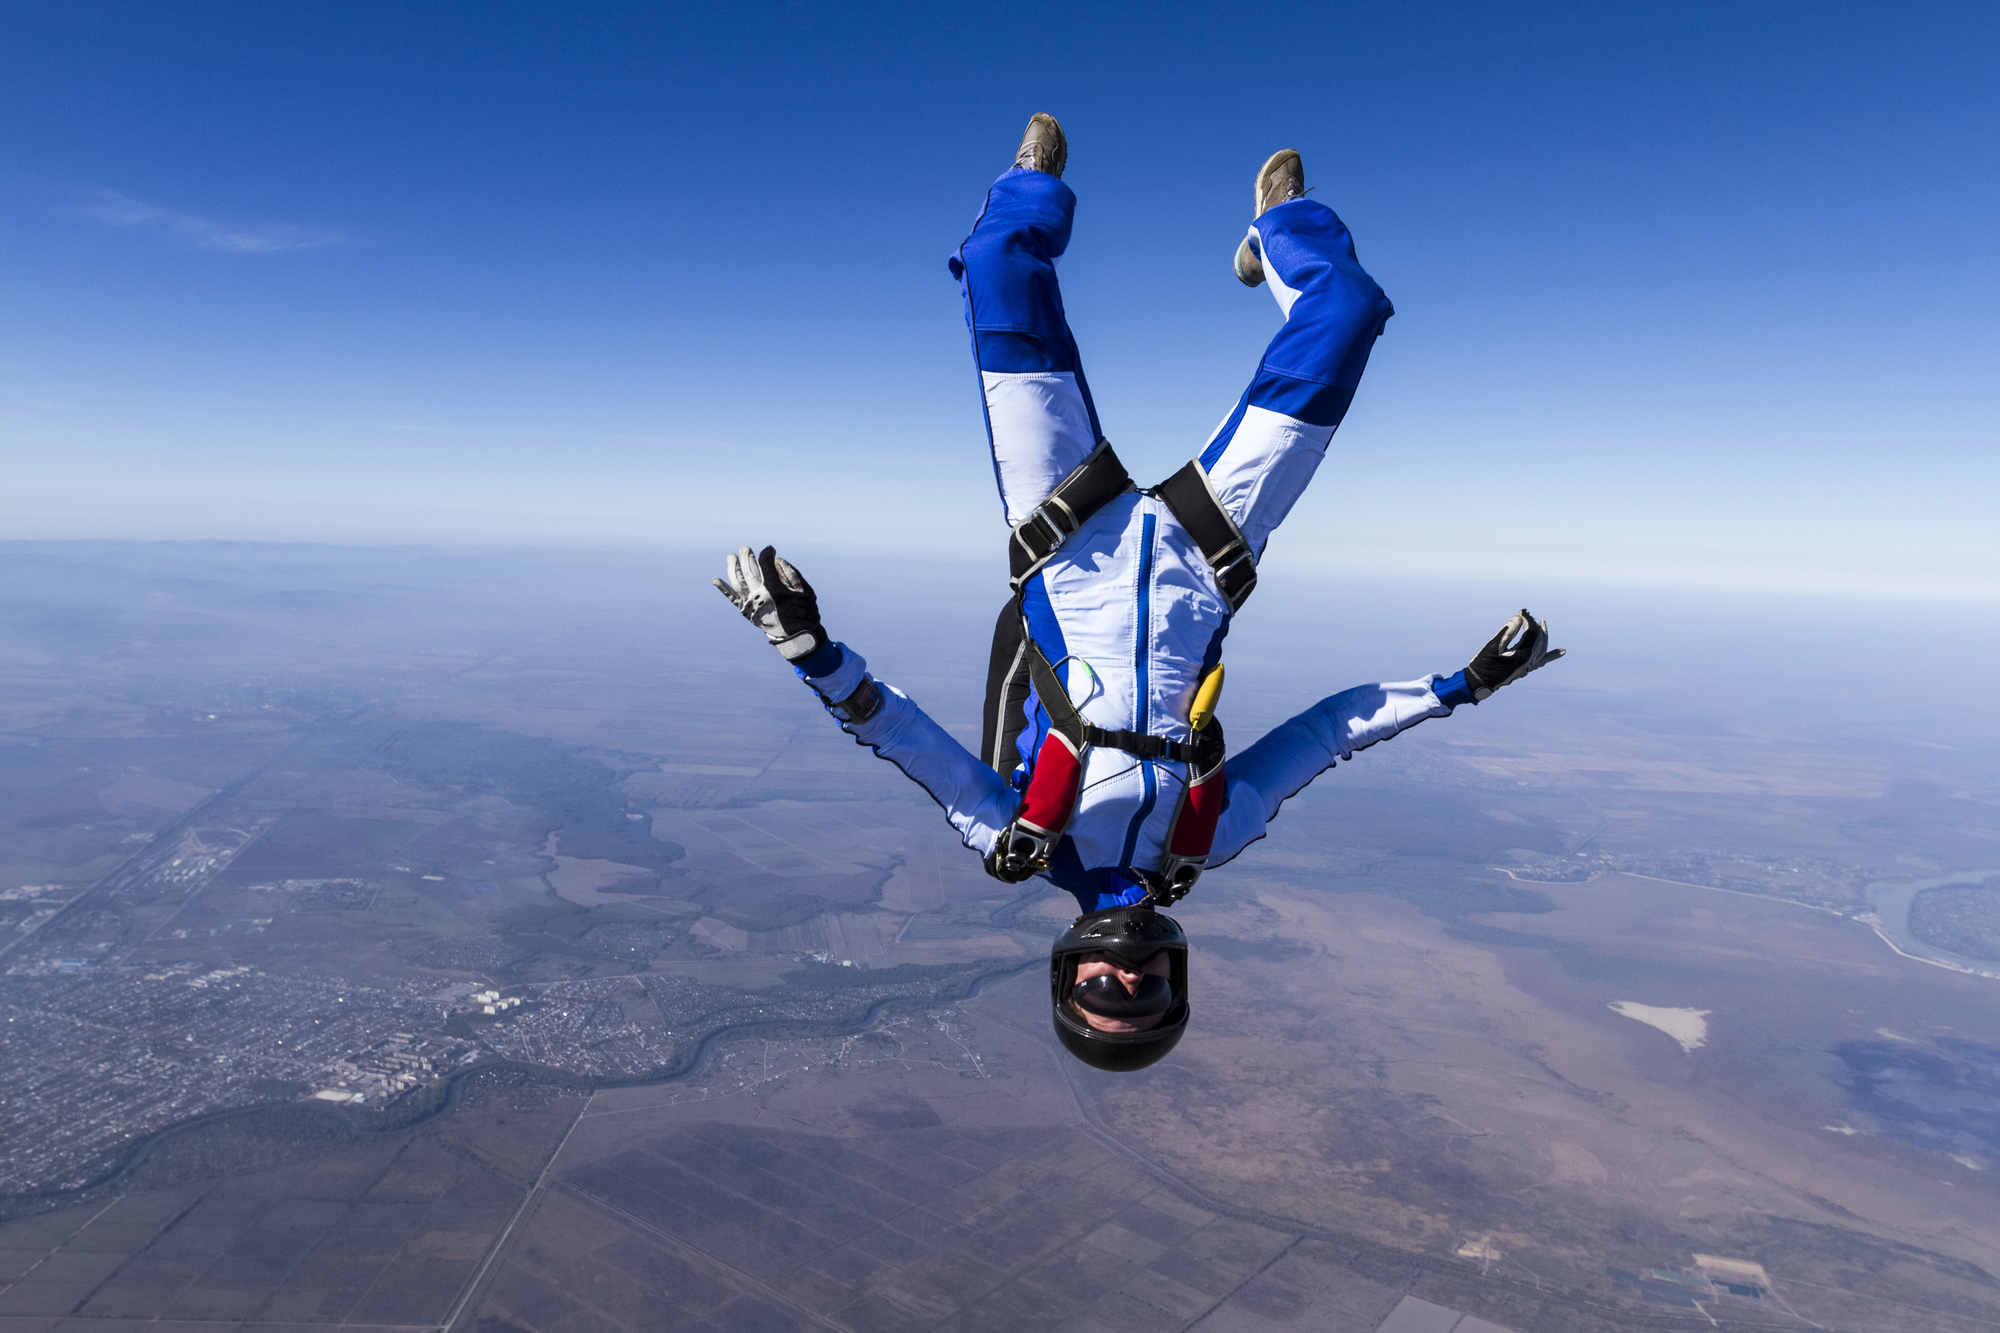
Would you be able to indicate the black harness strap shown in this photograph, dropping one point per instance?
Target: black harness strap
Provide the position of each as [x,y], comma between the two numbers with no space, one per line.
[1006,690]
[1064,718]
[1188,495]
[1017,661]
[1097,480]
[1140,744]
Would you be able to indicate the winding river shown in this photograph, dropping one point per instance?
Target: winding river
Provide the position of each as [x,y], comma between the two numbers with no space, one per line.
[1892,899]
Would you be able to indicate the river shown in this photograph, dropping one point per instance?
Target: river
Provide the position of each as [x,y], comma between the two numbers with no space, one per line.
[1892,899]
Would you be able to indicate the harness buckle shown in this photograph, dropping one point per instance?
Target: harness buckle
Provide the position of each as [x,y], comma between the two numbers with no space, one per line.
[1188,494]
[1235,574]
[1021,851]
[1042,533]
[1175,879]
[1091,486]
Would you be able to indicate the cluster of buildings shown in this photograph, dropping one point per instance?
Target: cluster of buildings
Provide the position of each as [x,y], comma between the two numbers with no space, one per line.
[391,1067]
[1713,1276]
[105,1052]
[493,1002]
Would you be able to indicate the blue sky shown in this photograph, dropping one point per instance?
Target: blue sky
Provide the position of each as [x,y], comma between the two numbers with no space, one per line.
[1687,294]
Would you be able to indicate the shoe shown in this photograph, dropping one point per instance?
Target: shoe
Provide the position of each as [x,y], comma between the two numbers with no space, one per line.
[1043,147]
[1280,180]
[1249,268]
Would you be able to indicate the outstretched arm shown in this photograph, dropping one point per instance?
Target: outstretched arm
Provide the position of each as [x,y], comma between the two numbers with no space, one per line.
[1278,767]
[772,594]
[1293,753]
[975,800]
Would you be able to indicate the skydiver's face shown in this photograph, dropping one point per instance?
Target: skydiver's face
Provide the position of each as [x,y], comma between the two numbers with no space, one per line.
[1094,965]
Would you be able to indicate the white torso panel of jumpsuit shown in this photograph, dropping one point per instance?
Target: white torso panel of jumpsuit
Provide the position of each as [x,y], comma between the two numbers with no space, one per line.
[1130,612]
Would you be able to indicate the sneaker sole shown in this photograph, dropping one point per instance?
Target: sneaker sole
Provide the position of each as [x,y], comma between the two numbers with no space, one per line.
[1249,268]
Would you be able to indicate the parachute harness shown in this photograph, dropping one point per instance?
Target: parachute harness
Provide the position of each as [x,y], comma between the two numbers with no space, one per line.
[1026,845]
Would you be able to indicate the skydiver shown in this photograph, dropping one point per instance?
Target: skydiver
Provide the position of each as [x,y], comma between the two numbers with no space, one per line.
[1102,767]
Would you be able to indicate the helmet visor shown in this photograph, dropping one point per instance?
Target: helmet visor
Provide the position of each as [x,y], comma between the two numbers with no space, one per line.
[1109,996]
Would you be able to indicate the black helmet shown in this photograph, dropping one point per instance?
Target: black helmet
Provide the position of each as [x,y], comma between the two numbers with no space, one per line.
[1131,935]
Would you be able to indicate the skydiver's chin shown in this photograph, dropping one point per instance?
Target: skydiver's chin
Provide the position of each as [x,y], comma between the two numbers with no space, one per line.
[1146,1023]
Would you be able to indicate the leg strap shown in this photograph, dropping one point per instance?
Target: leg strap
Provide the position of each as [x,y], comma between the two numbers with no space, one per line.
[1098,480]
[1188,495]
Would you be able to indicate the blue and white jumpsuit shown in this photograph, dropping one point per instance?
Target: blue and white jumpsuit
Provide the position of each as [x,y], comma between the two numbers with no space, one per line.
[1128,606]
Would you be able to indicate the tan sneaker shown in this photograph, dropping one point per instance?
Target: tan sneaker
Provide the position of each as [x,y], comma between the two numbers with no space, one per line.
[1280,180]
[1043,147]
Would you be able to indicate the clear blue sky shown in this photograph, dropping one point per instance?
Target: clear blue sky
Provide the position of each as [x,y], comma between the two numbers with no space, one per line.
[1687,293]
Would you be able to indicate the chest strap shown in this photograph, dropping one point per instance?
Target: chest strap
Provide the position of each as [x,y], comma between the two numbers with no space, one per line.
[1188,495]
[1097,481]
[1064,718]
[1140,744]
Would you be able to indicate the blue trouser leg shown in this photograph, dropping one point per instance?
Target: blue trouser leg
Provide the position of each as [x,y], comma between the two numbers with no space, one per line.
[1040,421]
[1263,455]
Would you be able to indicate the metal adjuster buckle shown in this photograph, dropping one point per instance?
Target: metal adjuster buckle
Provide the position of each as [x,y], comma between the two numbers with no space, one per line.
[1049,515]
[1176,879]
[1235,574]
[1022,850]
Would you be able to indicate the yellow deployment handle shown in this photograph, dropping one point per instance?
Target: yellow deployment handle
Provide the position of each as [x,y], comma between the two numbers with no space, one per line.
[1205,696]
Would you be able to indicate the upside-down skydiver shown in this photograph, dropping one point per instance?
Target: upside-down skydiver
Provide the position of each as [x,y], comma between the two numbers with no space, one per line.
[1102,768]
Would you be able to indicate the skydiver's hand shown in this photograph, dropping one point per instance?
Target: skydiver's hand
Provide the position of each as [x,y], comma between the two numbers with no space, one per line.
[772,595]
[1521,646]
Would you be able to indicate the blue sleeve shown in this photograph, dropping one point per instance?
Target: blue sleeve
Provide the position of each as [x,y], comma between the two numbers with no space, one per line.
[822,661]
[1451,691]
[834,671]
[974,798]
[1290,755]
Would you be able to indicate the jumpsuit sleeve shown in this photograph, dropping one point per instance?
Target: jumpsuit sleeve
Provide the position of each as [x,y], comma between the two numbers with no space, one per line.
[975,800]
[1292,754]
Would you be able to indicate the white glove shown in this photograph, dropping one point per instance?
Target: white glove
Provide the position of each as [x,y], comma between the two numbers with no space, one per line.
[772,595]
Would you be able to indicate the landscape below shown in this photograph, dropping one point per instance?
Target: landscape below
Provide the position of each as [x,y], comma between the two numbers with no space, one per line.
[395,937]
